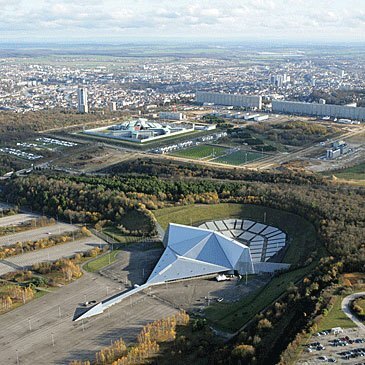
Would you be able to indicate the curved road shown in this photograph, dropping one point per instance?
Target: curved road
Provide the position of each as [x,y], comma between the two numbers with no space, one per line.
[345,305]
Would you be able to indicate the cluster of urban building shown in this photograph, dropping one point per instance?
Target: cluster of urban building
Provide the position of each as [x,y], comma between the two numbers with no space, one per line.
[147,83]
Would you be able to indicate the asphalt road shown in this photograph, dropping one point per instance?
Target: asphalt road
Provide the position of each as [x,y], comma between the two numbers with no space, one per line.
[37,334]
[48,254]
[345,305]
[17,219]
[36,234]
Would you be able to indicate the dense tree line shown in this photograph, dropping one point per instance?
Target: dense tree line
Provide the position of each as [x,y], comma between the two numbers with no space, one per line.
[9,163]
[337,212]
[16,126]
[271,331]
[146,168]
[293,133]
[79,201]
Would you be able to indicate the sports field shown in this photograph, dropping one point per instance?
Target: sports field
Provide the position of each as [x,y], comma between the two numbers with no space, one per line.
[239,157]
[202,152]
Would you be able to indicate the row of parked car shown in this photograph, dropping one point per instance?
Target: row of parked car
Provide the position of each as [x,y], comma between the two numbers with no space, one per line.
[352,354]
[345,341]
[315,346]
[327,359]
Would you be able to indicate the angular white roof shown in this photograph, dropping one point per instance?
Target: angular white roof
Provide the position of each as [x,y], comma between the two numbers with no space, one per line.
[192,252]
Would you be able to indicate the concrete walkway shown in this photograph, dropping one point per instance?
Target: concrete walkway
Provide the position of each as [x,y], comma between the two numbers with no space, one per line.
[345,305]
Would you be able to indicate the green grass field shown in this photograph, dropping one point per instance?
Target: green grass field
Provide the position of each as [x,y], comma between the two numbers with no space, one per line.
[232,316]
[98,263]
[239,157]
[301,236]
[335,317]
[356,172]
[201,152]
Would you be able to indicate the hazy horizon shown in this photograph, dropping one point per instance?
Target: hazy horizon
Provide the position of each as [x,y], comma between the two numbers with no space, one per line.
[295,21]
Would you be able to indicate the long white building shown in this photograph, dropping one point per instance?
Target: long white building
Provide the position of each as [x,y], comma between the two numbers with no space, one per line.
[172,115]
[246,101]
[318,110]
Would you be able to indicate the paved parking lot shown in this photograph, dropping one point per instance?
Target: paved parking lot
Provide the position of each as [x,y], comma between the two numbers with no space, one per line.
[37,233]
[17,219]
[49,254]
[29,330]
[336,353]
[134,265]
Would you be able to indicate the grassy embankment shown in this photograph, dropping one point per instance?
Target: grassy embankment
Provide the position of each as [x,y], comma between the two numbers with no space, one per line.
[100,262]
[133,221]
[335,317]
[354,174]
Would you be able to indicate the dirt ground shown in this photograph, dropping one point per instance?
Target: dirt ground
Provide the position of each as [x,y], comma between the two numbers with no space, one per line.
[93,158]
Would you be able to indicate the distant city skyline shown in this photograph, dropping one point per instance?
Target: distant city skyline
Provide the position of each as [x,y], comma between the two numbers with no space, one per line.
[116,21]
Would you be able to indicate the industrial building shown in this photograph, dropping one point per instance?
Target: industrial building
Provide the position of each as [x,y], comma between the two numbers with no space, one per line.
[338,149]
[242,101]
[319,110]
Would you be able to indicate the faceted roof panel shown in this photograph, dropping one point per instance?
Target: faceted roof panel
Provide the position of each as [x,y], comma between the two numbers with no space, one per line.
[194,251]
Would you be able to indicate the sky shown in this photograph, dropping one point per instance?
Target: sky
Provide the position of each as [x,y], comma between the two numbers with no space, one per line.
[210,20]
